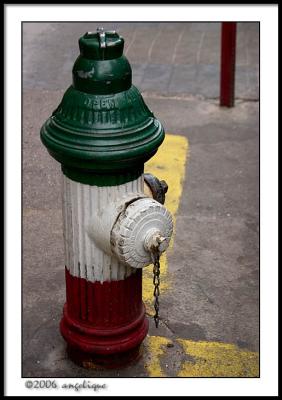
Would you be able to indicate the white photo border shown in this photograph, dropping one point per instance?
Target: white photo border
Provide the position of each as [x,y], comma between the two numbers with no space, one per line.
[267,15]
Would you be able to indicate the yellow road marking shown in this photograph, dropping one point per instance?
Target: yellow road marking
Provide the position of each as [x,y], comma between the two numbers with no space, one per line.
[156,348]
[167,164]
[206,359]
[214,359]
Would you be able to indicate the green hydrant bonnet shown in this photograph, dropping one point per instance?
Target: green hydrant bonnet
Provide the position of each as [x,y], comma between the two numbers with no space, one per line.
[102,130]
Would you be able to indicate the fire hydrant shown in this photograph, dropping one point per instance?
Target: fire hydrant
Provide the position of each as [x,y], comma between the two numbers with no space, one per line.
[102,133]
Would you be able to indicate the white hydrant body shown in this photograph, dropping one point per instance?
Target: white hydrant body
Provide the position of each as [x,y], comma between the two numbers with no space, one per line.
[108,231]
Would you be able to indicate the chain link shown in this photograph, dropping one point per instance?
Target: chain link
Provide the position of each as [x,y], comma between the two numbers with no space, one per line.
[156,282]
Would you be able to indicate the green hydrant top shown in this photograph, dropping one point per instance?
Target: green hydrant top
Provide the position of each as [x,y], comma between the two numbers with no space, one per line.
[102,132]
[90,75]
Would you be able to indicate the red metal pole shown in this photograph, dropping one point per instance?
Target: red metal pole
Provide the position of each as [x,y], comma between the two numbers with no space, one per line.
[228,55]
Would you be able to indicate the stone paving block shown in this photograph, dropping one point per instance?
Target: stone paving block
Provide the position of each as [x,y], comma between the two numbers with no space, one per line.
[208,80]
[156,77]
[189,48]
[138,71]
[204,27]
[247,82]
[183,79]
[211,40]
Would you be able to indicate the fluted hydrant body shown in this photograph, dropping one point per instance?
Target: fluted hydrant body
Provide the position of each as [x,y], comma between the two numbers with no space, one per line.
[102,133]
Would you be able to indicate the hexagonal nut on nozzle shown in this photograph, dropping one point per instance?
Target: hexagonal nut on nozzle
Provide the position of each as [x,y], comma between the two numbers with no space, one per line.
[155,241]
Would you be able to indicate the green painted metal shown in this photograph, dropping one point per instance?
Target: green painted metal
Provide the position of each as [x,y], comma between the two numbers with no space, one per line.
[102,132]
[104,178]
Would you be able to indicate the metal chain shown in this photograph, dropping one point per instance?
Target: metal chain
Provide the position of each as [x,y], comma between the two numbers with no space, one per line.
[156,282]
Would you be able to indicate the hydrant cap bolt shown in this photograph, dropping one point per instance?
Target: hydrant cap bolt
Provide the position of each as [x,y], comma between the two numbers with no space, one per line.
[101,45]
[155,241]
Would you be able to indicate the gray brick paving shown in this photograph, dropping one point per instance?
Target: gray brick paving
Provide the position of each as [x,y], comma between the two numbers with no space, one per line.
[169,58]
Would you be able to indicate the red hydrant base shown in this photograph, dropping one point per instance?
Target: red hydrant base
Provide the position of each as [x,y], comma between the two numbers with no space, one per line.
[102,361]
[104,321]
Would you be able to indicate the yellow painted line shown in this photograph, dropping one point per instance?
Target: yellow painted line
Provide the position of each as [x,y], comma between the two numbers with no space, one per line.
[204,359]
[156,346]
[167,164]
[214,359]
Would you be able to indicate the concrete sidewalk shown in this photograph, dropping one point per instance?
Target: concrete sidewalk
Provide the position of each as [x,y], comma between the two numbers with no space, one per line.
[210,313]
